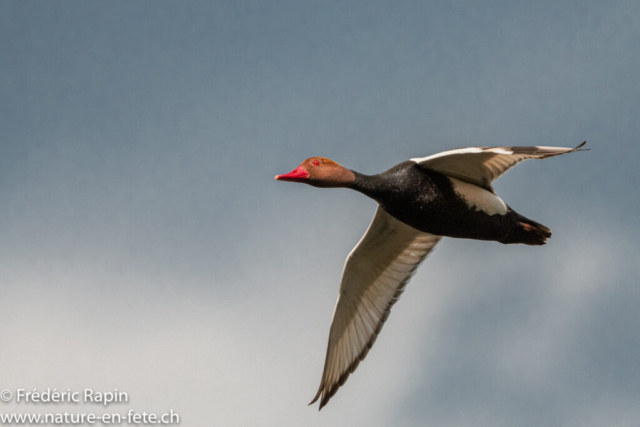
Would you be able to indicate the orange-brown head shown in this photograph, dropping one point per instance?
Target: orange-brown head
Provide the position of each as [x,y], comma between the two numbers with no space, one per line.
[320,172]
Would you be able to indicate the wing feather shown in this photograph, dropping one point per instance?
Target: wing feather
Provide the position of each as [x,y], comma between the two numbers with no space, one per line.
[483,165]
[375,275]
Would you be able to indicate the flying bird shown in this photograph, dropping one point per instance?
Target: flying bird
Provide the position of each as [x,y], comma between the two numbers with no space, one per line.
[420,200]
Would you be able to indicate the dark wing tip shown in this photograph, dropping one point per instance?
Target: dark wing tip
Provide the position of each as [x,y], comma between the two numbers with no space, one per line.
[324,396]
[323,401]
[579,147]
[315,399]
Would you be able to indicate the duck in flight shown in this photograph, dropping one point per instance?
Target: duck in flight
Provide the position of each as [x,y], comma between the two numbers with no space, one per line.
[420,201]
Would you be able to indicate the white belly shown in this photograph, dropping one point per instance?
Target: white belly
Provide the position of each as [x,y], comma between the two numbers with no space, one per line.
[478,198]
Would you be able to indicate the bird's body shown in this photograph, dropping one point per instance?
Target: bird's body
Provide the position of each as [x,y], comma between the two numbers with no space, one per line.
[420,201]
[437,204]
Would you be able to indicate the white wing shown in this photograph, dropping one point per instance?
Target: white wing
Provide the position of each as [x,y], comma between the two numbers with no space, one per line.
[483,165]
[375,275]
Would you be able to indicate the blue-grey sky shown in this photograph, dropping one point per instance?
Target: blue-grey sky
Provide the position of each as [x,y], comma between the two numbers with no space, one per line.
[146,246]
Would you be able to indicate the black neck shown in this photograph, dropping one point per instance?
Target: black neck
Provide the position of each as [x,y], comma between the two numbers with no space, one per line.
[368,185]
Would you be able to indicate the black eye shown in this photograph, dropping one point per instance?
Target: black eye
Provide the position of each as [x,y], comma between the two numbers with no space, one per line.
[316,162]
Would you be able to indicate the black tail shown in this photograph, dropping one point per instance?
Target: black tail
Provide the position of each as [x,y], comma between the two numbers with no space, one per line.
[536,234]
[528,232]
